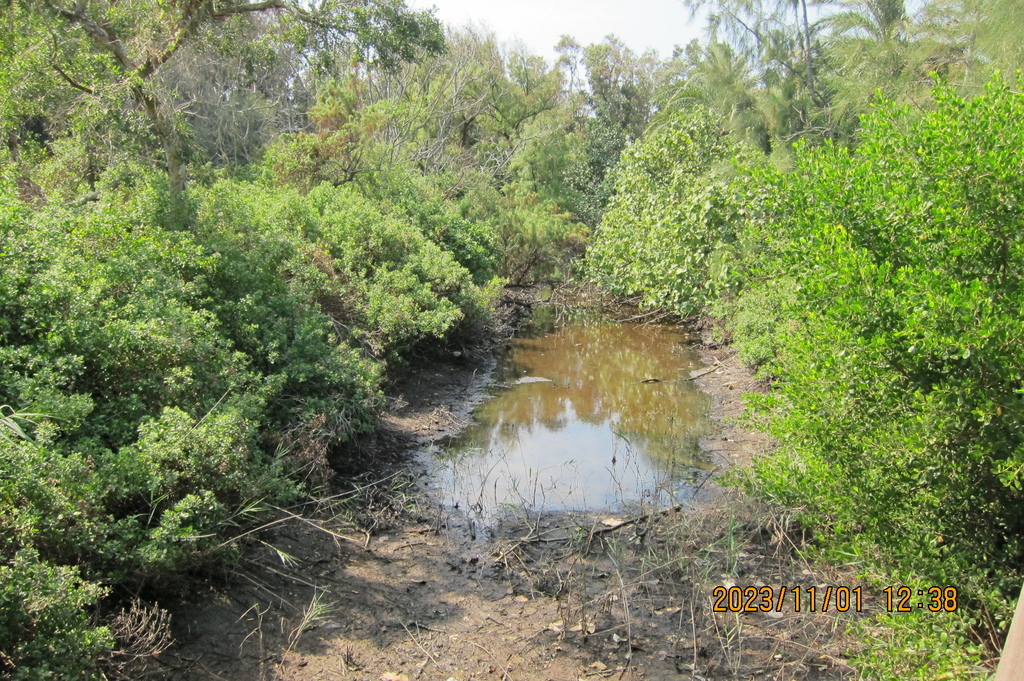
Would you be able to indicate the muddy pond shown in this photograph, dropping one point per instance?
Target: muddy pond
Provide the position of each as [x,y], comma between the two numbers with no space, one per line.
[590,415]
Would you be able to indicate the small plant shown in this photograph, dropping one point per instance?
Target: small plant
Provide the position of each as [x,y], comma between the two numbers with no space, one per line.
[142,632]
[312,616]
[9,426]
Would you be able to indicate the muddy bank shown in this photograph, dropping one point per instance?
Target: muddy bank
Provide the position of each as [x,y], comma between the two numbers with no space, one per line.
[434,398]
[726,383]
[381,583]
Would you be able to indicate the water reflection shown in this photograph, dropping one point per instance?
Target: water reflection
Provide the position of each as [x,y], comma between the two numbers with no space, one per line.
[591,416]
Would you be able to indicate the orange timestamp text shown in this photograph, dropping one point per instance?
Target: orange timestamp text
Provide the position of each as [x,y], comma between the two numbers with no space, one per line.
[797,599]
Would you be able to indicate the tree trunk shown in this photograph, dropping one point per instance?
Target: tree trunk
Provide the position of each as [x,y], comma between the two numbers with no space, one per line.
[807,49]
[163,127]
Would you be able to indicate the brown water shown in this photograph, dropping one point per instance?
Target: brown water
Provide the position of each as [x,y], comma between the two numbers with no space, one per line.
[591,416]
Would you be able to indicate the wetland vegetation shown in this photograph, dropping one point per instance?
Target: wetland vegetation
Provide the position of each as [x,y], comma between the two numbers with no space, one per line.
[231,231]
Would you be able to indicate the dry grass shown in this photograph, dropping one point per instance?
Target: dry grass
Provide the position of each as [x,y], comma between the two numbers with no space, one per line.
[650,583]
[142,632]
[310,443]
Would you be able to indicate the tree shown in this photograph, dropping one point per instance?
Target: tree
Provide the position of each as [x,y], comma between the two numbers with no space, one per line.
[870,54]
[444,109]
[792,60]
[669,230]
[722,79]
[128,45]
[967,39]
[761,28]
[899,382]
[879,21]
[341,147]
[238,87]
[619,99]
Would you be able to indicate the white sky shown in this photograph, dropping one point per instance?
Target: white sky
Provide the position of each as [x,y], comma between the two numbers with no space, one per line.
[641,24]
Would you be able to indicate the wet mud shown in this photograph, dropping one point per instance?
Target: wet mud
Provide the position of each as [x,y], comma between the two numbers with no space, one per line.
[384,583]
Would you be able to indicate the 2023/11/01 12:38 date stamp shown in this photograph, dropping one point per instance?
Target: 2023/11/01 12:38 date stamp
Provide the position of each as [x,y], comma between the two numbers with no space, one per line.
[784,599]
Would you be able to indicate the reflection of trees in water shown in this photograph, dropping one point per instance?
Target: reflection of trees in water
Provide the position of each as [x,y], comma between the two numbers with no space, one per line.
[596,372]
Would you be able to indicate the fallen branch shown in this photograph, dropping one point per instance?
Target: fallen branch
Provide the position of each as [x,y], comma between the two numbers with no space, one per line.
[718,365]
[419,645]
[540,539]
[317,526]
[634,521]
[658,314]
[506,676]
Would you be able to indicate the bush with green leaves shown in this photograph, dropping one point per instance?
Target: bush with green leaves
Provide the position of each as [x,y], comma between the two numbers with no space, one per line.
[177,381]
[901,365]
[104,337]
[412,197]
[372,277]
[669,231]
[45,631]
[758,320]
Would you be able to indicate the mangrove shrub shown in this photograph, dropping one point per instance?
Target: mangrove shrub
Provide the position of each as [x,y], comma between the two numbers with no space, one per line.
[670,228]
[900,397]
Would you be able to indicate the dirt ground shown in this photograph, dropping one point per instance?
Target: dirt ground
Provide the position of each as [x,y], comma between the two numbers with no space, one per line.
[726,382]
[379,583]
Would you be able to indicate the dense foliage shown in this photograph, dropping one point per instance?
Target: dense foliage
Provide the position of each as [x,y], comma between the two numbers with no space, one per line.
[186,378]
[808,69]
[900,397]
[670,228]
[881,288]
[222,225]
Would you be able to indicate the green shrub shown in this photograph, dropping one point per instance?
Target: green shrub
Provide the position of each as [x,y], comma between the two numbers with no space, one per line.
[184,378]
[900,399]
[758,320]
[406,287]
[471,242]
[45,632]
[669,231]
[372,278]
[530,237]
[273,291]
[920,646]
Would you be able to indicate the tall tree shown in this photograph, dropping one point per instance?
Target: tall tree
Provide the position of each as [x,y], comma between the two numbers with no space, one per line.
[802,54]
[870,52]
[130,43]
[619,103]
[763,28]
[238,87]
[966,39]
[722,79]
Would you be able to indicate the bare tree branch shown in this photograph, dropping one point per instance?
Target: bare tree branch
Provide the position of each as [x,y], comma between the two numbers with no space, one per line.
[73,83]
[230,10]
[103,36]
